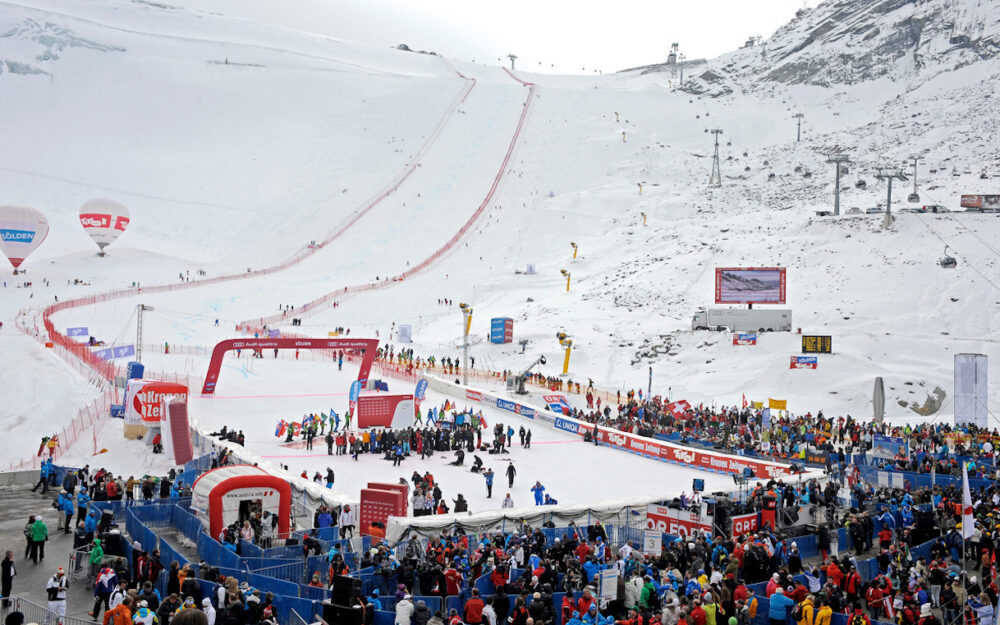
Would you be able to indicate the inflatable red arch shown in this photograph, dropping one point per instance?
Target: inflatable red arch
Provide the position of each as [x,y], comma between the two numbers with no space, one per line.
[366,346]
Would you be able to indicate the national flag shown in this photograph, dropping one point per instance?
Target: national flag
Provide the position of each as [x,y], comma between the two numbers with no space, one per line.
[447,405]
[744,400]
[482,420]
[968,524]
[766,418]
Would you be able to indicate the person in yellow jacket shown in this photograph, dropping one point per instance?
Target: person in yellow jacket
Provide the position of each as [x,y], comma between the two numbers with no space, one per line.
[808,611]
[824,613]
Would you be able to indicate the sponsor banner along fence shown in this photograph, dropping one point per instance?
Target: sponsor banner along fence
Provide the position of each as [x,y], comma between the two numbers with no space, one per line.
[676,522]
[649,447]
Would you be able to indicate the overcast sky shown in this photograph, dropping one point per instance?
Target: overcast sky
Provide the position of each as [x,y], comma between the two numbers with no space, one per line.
[547,35]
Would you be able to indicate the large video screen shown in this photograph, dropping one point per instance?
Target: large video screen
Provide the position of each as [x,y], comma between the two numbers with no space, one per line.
[750,285]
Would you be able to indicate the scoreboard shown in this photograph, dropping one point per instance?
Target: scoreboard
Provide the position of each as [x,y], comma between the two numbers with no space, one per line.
[814,344]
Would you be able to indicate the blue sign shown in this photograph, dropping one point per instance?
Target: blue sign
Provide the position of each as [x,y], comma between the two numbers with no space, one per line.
[20,236]
[116,352]
[421,389]
[355,390]
[516,408]
[77,332]
[569,426]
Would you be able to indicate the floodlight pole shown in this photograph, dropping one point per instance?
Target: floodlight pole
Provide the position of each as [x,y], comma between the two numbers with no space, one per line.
[798,132]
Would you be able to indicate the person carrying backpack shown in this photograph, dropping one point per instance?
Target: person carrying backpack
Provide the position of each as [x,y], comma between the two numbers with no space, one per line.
[857,617]
[804,612]
[648,599]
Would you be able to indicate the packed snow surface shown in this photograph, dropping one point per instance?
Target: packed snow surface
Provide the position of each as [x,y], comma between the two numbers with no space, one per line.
[235,144]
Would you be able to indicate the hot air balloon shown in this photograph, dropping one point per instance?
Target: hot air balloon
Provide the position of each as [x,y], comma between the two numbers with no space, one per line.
[22,229]
[104,220]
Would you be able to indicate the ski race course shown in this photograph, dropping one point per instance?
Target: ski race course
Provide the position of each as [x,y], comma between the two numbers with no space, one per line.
[267,169]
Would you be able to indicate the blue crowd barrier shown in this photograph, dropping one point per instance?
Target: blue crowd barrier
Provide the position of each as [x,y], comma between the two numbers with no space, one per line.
[212,552]
[168,554]
[188,524]
[283,552]
[313,593]
[250,550]
[265,583]
[284,605]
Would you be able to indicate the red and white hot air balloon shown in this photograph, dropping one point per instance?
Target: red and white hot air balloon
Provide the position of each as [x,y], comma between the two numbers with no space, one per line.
[22,229]
[104,220]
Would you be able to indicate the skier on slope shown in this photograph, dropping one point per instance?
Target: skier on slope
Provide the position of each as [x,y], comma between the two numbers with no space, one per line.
[538,489]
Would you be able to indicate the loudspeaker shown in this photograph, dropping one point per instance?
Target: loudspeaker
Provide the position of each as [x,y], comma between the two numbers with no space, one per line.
[788,516]
[345,590]
[341,614]
[924,519]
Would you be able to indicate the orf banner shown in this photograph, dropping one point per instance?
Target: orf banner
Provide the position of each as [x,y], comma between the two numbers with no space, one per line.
[745,524]
[673,521]
[557,403]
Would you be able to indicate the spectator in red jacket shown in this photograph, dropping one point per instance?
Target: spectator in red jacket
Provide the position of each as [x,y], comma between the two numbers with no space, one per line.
[474,609]
[453,580]
[569,605]
[698,614]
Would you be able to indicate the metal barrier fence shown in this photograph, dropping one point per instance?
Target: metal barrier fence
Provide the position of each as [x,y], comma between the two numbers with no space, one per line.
[289,571]
[34,613]
[79,564]
[295,619]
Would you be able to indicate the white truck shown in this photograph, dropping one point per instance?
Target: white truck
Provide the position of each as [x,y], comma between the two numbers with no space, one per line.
[743,320]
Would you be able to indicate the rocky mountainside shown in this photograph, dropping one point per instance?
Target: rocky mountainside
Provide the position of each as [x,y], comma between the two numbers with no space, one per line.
[844,42]
[850,41]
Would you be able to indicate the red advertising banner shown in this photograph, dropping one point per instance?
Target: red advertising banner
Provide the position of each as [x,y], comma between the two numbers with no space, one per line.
[385,411]
[707,461]
[803,362]
[474,395]
[675,522]
[745,524]
[378,505]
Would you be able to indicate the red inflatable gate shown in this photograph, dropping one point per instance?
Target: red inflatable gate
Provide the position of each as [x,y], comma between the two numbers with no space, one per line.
[366,346]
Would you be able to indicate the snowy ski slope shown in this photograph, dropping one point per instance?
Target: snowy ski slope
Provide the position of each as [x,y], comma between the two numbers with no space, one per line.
[235,144]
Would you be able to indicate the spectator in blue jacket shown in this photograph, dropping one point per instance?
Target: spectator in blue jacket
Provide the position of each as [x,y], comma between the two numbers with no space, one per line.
[43,476]
[82,500]
[780,604]
[68,508]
